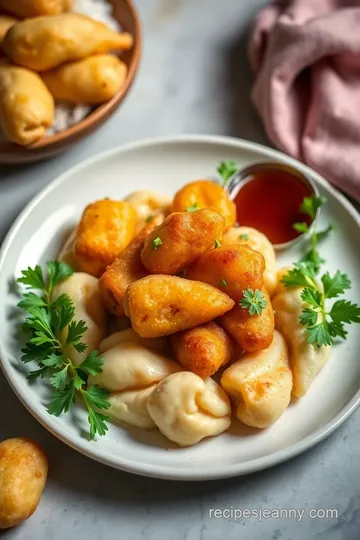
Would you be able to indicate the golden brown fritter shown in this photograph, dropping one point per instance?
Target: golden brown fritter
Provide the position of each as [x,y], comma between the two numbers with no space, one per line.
[125,269]
[180,240]
[205,194]
[230,268]
[105,229]
[23,472]
[42,43]
[204,349]
[162,305]
[252,332]
[258,242]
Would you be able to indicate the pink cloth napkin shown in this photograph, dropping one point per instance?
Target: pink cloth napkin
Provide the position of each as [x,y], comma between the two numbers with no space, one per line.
[306,57]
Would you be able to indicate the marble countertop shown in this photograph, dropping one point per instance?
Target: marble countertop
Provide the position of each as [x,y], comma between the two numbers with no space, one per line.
[194,78]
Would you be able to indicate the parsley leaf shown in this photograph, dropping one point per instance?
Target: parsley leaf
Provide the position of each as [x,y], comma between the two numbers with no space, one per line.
[254,301]
[226,169]
[244,237]
[343,311]
[46,321]
[217,243]
[192,208]
[336,285]
[156,243]
[310,205]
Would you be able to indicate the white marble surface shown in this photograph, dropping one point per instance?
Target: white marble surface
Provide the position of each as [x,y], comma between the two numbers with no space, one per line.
[194,78]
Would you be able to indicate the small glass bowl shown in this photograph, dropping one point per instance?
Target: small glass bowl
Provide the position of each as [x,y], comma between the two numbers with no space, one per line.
[243,176]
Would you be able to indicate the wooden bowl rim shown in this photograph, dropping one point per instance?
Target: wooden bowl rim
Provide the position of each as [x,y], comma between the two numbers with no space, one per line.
[101,111]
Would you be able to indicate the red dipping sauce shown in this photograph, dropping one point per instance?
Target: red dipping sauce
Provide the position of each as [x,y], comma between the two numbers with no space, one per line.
[269,201]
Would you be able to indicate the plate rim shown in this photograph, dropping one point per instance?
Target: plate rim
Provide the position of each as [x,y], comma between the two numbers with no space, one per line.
[169,472]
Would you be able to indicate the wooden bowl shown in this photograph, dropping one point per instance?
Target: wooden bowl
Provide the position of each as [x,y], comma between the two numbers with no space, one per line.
[126,13]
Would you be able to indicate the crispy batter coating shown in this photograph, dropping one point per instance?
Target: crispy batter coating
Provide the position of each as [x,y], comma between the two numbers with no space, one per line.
[259,242]
[33,8]
[180,240]
[26,105]
[231,268]
[252,332]
[42,43]
[205,194]
[90,80]
[6,22]
[162,305]
[204,349]
[260,384]
[23,472]
[125,269]
[105,229]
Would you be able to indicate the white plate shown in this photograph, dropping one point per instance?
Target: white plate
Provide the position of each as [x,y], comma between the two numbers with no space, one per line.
[164,165]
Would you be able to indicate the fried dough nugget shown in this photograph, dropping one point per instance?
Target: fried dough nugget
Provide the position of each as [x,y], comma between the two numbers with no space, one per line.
[231,268]
[91,80]
[180,240]
[26,106]
[205,194]
[6,22]
[259,242]
[23,472]
[43,43]
[125,269]
[204,349]
[162,305]
[33,8]
[252,332]
[105,229]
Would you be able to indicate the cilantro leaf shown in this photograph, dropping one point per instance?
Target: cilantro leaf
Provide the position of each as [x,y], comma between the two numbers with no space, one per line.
[324,233]
[156,243]
[254,301]
[98,396]
[97,423]
[244,237]
[217,244]
[301,275]
[308,317]
[311,296]
[319,334]
[53,360]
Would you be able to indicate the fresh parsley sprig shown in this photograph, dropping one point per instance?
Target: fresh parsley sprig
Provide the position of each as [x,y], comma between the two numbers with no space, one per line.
[226,169]
[323,323]
[310,206]
[48,345]
[254,301]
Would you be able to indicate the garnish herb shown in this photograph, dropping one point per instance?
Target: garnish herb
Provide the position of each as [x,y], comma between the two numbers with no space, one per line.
[192,208]
[149,218]
[156,243]
[244,237]
[226,169]
[222,283]
[48,345]
[309,206]
[323,322]
[217,243]
[254,301]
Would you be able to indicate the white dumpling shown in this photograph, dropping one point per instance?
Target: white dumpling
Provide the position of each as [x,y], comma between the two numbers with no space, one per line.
[159,345]
[131,372]
[259,242]
[84,293]
[130,407]
[306,360]
[187,408]
[260,384]
[129,365]
[147,203]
